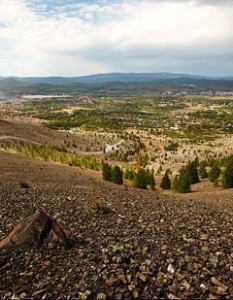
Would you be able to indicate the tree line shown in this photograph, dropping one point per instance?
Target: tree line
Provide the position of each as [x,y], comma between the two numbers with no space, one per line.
[215,170]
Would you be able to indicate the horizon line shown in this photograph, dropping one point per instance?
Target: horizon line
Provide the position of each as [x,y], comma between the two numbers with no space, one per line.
[109,73]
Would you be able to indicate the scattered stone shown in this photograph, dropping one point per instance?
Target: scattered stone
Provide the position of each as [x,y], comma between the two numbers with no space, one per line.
[217,282]
[46,263]
[22,295]
[142,277]
[203,287]
[221,290]
[186,284]
[118,296]
[205,249]
[171,269]
[132,260]
[135,294]
[101,296]
[172,297]
[212,297]
[39,292]
[203,237]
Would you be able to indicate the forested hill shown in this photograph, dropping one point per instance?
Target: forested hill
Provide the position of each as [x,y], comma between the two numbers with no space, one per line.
[119,77]
[114,83]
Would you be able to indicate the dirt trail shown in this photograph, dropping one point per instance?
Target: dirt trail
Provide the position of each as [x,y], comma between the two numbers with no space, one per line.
[7,137]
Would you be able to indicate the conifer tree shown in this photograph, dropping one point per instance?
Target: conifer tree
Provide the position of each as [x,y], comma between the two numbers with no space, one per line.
[181,183]
[166,182]
[192,170]
[214,172]
[202,170]
[151,179]
[141,179]
[116,175]
[106,171]
[227,176]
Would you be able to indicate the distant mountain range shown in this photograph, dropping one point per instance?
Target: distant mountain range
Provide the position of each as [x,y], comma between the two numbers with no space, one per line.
[103,78]
[99,82]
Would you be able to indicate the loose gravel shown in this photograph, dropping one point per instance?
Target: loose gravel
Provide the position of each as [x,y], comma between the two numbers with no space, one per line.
[148,246]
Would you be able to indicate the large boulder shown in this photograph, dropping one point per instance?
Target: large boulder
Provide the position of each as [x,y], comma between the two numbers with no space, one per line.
[34,230]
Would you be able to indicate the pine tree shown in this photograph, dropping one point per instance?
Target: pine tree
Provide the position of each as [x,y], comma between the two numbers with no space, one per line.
[214,172]
[192,170]
[106,171]
[202,170]
[126,174]
[166,182]
[227,176]
[175,183]
[151,179]
[141,179]
[116,175]
[182,183]
[131,175]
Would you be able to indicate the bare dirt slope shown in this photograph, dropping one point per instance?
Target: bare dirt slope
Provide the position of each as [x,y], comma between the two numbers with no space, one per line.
[206,192]
[148,246]
[32,132]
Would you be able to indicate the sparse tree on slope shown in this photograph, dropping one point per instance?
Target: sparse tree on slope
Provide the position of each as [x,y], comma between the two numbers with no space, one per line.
[227,176]
[141,179]
[116,175]
[182,183]
[151,179]
[166,182]
[106,171]
[192,170]
[214,172]
[202,170]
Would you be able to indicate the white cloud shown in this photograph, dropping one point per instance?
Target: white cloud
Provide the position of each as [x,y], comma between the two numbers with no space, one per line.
[104,36]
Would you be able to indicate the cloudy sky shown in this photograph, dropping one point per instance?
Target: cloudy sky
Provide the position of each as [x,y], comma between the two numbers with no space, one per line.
[77,37]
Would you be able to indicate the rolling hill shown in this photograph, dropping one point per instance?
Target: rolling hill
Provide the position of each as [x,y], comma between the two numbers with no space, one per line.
[112,77]
[114,83]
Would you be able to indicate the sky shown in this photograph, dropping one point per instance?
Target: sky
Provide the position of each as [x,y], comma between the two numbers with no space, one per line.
[76,37]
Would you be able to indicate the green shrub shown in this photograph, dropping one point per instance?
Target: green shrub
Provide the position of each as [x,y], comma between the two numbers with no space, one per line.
[101,208]
[24,185]
[216,183]
[171,147]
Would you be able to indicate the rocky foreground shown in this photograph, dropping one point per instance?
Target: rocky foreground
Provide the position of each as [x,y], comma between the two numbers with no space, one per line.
[146,246]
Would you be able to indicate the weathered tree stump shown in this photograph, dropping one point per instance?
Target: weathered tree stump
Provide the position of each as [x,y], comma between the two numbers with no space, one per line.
[34,230]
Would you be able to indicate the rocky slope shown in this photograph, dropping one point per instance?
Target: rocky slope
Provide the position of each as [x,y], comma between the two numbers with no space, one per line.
[148,246]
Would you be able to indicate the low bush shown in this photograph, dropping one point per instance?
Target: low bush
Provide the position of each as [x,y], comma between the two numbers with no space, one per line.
[101,208]
[24,185]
